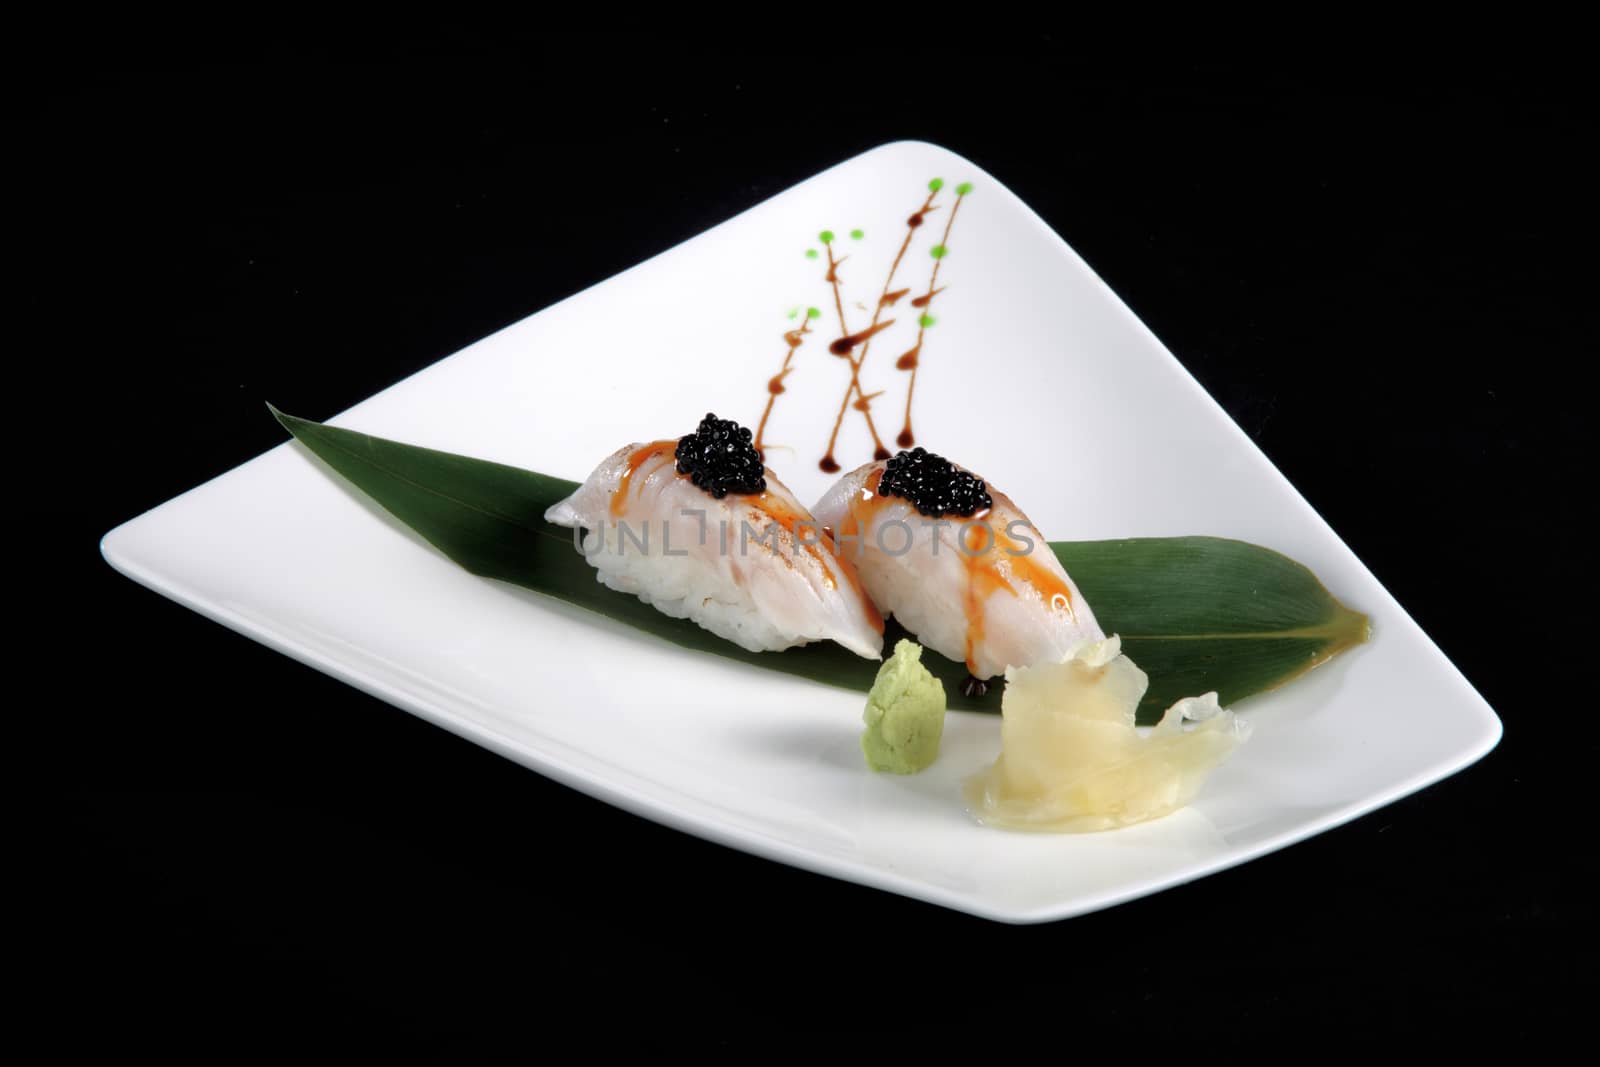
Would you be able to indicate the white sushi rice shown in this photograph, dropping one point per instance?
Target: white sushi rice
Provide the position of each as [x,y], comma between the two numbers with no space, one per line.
[684,587]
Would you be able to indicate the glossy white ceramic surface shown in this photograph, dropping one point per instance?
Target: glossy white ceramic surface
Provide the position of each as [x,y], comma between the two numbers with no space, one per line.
[1090,424]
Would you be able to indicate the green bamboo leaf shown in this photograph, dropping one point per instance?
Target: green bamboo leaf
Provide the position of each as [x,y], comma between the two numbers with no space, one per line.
[1203,613]
[1196,613]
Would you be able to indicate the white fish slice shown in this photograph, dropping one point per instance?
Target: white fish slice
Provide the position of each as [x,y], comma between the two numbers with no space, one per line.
[985,589]
[753,568]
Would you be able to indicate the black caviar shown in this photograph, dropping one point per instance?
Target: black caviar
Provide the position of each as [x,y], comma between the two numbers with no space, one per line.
[933,485]
[719,458]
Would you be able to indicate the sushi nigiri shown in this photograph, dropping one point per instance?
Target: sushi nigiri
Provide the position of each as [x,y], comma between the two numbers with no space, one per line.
[700,529]
[957,563]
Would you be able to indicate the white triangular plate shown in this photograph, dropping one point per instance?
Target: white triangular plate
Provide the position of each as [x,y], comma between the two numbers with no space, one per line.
[1034,374]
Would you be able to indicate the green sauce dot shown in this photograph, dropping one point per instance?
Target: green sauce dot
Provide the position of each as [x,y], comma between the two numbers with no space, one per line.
[937,251]
[964,188]
[856,235]
[928,320]
[811,253]
[813,313]
[936,184]
[826,237]
[793,312]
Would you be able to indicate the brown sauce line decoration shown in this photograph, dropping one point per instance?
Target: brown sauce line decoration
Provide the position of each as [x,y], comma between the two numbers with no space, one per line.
[887,298]
[843,348]
[794,339]
[912,359]
[833,278]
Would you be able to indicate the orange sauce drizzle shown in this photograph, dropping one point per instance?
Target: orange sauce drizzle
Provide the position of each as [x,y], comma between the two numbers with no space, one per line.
[862,504]
[983,578]
[780,512]
[1024,566]
[619,496]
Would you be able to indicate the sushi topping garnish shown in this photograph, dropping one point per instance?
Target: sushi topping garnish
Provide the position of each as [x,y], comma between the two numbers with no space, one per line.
[720,459]
[933,485]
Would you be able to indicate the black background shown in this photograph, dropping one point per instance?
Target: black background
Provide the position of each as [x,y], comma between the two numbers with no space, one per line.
[1378,264]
